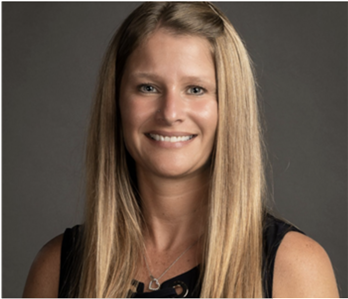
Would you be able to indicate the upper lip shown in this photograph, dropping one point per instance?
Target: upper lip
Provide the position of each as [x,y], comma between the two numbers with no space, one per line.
[165,133]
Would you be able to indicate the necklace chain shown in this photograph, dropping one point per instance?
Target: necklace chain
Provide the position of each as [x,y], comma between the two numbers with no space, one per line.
[156,280]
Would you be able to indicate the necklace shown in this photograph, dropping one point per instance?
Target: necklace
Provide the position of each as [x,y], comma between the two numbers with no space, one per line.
[154,284]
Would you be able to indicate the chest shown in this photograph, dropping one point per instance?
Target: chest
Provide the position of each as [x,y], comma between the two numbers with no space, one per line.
[159,267]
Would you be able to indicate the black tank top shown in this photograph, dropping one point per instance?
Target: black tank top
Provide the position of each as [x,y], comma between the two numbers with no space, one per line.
[273,233]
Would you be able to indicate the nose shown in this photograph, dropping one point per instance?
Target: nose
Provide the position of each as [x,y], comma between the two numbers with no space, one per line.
[171,108]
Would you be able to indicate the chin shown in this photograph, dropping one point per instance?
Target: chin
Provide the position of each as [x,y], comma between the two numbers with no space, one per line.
[174,172]
[172,167]
[177,171]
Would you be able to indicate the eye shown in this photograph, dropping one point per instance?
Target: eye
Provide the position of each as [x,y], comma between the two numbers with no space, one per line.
[196,90]
[147,88]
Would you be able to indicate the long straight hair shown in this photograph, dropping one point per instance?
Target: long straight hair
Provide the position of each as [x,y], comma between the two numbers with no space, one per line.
[112,238]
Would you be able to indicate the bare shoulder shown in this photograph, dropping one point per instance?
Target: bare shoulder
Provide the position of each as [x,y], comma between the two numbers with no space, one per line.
[303,269]
[43,277]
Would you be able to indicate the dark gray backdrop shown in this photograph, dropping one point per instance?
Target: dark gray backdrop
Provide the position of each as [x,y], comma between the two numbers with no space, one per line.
[51,55]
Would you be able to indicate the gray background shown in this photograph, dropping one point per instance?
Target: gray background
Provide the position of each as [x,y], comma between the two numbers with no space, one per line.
[51,55]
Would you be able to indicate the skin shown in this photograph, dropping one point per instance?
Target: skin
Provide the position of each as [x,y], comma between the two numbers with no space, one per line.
[303,269]
[170,91]
[43,277]
[169,86]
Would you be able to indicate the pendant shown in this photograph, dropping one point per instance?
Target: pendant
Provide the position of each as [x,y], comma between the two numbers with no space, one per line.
[156,282]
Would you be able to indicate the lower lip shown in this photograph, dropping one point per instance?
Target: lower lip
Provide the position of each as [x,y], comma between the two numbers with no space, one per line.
[168,144]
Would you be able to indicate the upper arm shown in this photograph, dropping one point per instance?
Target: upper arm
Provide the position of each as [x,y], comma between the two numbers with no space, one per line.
[303,269]
[43,277]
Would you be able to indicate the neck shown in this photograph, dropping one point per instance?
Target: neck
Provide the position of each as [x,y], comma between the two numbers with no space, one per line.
[174,209]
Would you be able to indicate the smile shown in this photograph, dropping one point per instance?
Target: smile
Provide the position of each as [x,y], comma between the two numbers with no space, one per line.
[170,138]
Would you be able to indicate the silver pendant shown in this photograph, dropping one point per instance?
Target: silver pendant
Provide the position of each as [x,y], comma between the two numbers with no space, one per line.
[156,282]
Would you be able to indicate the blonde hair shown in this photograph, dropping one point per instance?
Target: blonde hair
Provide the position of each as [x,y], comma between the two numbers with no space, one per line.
[112,237]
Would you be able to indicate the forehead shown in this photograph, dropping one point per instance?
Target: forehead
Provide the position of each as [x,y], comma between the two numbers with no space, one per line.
[166,53]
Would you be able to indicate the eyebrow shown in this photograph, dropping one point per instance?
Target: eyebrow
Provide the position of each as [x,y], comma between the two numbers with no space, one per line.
[152,76]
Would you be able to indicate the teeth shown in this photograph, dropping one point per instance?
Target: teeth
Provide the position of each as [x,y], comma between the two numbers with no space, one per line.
[170,139]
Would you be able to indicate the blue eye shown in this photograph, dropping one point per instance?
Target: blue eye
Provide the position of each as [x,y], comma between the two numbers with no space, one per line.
[147,88]
[196,90]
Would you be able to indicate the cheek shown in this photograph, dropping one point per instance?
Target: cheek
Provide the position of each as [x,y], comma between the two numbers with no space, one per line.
[134,114]
[206,114]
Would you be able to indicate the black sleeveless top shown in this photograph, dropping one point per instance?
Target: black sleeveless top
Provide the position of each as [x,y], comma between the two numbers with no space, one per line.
[273,233]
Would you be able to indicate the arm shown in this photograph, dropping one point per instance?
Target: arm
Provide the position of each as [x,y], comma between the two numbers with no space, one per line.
[43,277]
[303,269]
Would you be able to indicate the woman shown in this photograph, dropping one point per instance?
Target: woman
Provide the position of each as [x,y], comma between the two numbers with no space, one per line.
[175,176]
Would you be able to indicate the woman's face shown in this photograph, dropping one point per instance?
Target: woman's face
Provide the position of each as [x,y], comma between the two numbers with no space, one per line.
[168,104]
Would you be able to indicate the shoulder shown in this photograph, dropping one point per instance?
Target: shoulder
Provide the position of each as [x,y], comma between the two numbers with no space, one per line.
[43,277]
[302,269]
